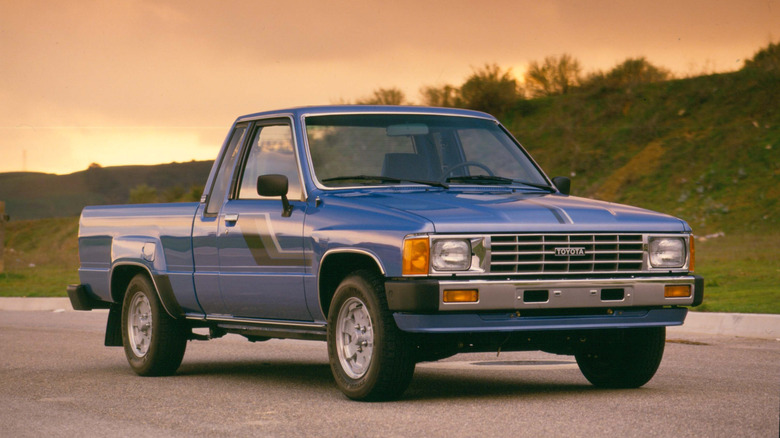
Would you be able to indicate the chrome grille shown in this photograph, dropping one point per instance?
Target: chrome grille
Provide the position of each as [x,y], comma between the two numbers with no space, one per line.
[576,253]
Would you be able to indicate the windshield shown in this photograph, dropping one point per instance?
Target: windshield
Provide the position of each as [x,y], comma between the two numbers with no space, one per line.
[374,149]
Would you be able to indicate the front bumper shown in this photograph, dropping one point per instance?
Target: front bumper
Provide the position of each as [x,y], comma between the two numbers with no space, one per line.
[503,322]
[427,295]
[419,306]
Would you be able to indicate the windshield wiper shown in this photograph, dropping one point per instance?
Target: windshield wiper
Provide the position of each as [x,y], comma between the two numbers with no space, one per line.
[385,179]
[538,186]
[487,179]
[481,179]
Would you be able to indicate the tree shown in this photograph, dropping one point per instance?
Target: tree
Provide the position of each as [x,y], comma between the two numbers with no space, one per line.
[634,71]
[445,96]
[143,194]
[490,90]
[556,75]
[385,96]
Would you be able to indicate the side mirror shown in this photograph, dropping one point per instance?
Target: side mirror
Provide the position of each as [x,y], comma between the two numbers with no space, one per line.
[563,184]
[275,185]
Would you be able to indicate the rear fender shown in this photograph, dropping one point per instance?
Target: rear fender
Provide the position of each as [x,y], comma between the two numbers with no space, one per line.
[136,254]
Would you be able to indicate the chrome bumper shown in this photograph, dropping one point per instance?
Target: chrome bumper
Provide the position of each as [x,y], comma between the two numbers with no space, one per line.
[517,295]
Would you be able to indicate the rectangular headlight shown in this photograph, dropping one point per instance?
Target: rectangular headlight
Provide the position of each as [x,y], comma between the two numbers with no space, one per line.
[451,255]
[667,252]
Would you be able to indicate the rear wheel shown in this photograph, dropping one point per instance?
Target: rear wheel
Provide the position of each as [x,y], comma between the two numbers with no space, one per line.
[623,359]
[154,342]
[371,359]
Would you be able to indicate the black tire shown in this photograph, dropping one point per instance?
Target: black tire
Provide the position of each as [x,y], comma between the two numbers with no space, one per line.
[371,359]
[623,359]
[153,341]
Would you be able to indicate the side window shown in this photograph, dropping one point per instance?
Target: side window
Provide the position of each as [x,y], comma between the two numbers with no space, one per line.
[271,152]
[222,179]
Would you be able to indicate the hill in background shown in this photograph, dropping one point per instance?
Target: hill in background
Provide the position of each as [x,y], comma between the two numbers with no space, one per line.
[705,149]
[38,195]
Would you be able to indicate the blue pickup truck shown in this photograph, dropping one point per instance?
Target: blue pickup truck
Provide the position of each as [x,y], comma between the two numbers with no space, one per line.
[398,235]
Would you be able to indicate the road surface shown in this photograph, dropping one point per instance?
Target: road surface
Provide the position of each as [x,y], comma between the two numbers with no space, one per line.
[58,380]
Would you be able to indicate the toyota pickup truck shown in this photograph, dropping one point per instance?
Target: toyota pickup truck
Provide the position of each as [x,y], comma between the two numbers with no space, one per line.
[397,235]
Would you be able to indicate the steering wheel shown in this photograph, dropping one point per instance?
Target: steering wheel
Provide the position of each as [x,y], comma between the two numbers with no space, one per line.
[465,164]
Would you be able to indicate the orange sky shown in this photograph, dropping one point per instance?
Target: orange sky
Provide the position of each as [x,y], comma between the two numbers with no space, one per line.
[144,82]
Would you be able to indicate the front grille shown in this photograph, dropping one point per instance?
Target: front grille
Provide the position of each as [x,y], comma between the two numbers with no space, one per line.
[566,253]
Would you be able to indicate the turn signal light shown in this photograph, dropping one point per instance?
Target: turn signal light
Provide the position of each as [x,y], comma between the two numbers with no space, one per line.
[692,254]
[683,291]
[415,256]
[461,296]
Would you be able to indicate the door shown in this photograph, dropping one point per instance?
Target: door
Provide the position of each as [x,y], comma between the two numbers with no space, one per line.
[206,225]
[261,252]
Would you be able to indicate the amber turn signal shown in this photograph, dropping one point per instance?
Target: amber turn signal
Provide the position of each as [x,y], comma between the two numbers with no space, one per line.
[683,291]
[461,296]
[415,256]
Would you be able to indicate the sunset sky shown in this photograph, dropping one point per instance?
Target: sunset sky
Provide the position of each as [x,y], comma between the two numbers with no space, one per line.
[145,82]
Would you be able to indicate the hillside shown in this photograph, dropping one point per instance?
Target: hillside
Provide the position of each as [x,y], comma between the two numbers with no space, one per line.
[705,149]
[31,195]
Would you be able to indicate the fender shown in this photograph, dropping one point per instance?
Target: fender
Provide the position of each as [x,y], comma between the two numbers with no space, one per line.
[146,253]
[323,306]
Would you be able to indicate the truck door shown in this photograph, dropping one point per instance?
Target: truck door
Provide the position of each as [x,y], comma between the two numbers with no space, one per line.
[261,252]
[206,224]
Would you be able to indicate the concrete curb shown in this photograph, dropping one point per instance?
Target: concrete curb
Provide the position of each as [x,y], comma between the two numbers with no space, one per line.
[26,304]
[747,325]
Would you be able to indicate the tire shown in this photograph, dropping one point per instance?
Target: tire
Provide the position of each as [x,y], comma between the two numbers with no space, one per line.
[626,359]
[154,342]
[371,359]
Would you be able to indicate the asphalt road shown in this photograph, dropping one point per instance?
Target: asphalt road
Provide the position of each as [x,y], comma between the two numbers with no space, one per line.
[57,379]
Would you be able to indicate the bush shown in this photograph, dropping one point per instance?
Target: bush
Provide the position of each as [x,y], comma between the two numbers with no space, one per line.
[767,59]
[489,90]
[556,75]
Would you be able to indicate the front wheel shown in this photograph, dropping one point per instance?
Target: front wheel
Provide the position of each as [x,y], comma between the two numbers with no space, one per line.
[371,359]
[623,359]
[154,342]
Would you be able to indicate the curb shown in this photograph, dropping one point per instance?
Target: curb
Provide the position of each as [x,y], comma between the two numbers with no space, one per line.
[747,325]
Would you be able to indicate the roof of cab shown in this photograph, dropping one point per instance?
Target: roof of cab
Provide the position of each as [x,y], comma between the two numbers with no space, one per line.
[298,112]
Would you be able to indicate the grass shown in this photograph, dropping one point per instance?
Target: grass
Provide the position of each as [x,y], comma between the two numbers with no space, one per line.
[741,270]
[741,273]
[38,281]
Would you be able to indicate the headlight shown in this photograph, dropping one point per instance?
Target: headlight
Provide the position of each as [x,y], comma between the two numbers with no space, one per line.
[667,252]
[451,255]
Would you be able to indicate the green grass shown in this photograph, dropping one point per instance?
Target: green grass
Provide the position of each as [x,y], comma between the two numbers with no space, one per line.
[40,281]
[740,271]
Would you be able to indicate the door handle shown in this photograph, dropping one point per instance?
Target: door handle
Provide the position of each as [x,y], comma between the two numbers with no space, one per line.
[231,217]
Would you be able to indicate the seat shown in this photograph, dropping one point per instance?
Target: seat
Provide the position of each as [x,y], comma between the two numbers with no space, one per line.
[404,166]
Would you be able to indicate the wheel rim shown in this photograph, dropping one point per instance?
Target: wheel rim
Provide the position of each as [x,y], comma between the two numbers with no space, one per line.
[354,338]
[139,329]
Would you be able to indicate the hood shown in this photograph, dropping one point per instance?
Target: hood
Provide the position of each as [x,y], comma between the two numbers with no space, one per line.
[507,211]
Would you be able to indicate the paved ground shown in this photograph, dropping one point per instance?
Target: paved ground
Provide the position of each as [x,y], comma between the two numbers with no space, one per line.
[58,380]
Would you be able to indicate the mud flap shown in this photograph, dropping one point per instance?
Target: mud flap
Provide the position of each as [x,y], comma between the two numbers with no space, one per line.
[114,326]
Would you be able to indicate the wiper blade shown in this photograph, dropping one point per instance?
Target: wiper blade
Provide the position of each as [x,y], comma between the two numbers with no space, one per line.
[487,179]
[538,186]
[481,179]
[385,179]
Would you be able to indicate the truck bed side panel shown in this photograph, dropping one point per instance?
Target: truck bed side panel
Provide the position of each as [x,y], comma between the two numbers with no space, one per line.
[155,236]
